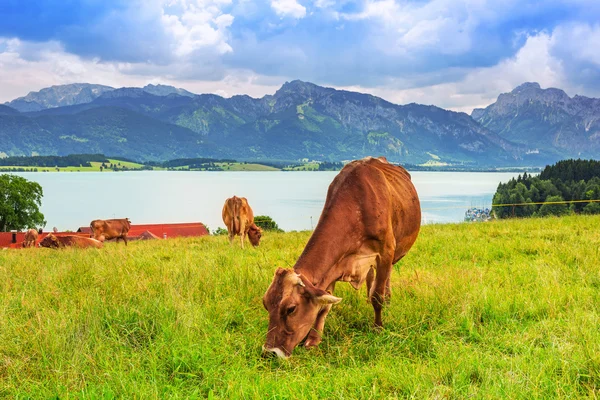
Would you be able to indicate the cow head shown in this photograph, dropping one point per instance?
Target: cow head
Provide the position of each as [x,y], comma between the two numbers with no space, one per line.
[254,235]
[50,241]
[293,304]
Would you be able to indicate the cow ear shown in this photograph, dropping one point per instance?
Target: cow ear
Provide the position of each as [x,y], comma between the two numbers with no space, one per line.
[326,299]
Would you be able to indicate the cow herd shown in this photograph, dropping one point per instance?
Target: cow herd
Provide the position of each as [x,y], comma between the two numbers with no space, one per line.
[370,220]
[101,230]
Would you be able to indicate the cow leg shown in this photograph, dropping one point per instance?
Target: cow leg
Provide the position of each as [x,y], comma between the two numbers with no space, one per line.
[388,290]
[378,291]
[242,233]
[125,239]
[315,335]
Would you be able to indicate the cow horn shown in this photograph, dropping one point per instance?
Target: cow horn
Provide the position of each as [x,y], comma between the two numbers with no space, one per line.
[300,281]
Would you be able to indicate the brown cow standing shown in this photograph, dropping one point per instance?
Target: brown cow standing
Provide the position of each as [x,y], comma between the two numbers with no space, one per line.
[107,229]
[56,242]
[239,220]
[370,220]
[30,238]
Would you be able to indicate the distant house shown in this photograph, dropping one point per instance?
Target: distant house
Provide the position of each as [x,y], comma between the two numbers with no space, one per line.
[14,240]
[137,232]
[162,231]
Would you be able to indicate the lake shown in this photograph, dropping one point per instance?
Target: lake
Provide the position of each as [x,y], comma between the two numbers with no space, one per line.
[293,199]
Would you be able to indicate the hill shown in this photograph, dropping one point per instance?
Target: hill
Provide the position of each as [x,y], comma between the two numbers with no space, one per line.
[79,93]
[545,120]
[106,130]
[529,126]
[301,120]
[512,312]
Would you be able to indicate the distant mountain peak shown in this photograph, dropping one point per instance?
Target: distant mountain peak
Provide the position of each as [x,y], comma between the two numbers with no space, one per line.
[545,119]
[165,90]
[526,86]
[59,96]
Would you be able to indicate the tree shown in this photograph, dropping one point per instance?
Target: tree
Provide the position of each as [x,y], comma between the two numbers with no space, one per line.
[553,209]
[20,200]
[592,208]
[266,223]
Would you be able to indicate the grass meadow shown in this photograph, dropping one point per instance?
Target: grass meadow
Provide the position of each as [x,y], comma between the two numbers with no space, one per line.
[507,309]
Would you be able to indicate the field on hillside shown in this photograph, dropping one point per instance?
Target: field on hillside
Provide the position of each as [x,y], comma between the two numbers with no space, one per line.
[507,309]
[95,167]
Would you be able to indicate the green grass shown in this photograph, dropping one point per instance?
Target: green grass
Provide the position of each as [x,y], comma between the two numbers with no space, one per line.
[245,167]
[507,309]
[305,167]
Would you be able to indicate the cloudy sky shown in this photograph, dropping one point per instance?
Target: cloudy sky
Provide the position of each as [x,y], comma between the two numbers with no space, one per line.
[456,54]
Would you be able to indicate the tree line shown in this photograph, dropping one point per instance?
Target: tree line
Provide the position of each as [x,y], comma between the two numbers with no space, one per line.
[72,160]
[567,180]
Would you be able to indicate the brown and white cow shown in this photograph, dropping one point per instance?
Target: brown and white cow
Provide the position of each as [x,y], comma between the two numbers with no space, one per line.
[30,238]
[56,242]
[370,220]
[107,229]
[239,220]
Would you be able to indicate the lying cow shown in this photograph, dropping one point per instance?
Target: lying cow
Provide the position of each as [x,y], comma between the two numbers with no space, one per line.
[56,242]
[370,220]
[30,238]
[239,220]
[107,229]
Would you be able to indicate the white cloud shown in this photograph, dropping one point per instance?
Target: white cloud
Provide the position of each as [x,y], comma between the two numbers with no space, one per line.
[578,41]
[481,86]
[445,26]
[288,8]
[200,26]
[51,65]
[554,59]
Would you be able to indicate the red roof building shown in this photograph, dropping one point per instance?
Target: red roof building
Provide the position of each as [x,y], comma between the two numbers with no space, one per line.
[14,240]
[144,232]
[163,231]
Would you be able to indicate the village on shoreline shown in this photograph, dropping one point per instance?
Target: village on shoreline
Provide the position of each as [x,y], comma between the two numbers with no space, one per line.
[101,163]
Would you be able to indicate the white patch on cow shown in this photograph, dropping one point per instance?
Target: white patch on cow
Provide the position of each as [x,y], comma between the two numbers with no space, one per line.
[277,351]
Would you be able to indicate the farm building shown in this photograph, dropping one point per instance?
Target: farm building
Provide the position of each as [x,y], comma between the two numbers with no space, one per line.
[162,231]
[14,240]
[137,232]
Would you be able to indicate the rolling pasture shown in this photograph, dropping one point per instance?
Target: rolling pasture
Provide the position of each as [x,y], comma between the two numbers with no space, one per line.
[502,309]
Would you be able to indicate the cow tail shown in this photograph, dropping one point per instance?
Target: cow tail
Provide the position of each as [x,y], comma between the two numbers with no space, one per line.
[236,215]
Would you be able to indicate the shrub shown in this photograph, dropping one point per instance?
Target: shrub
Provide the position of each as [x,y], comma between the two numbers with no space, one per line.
[553,209]
[266,223]
[592,208]
[219,231]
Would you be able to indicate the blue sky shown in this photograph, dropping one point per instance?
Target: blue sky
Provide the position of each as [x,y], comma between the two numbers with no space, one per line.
[456,54]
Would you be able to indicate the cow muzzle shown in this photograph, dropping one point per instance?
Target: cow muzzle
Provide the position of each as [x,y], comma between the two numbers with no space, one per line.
[270,352]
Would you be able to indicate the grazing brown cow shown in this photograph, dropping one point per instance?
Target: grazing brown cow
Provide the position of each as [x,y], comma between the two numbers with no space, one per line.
[30,238]
[107,229]
[239,220]
[370,220]
[56,242]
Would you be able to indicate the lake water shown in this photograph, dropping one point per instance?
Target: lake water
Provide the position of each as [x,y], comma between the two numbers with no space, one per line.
[293,199]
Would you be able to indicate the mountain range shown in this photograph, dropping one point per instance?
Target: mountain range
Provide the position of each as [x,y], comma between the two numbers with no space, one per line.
[547,119]
[529,126]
